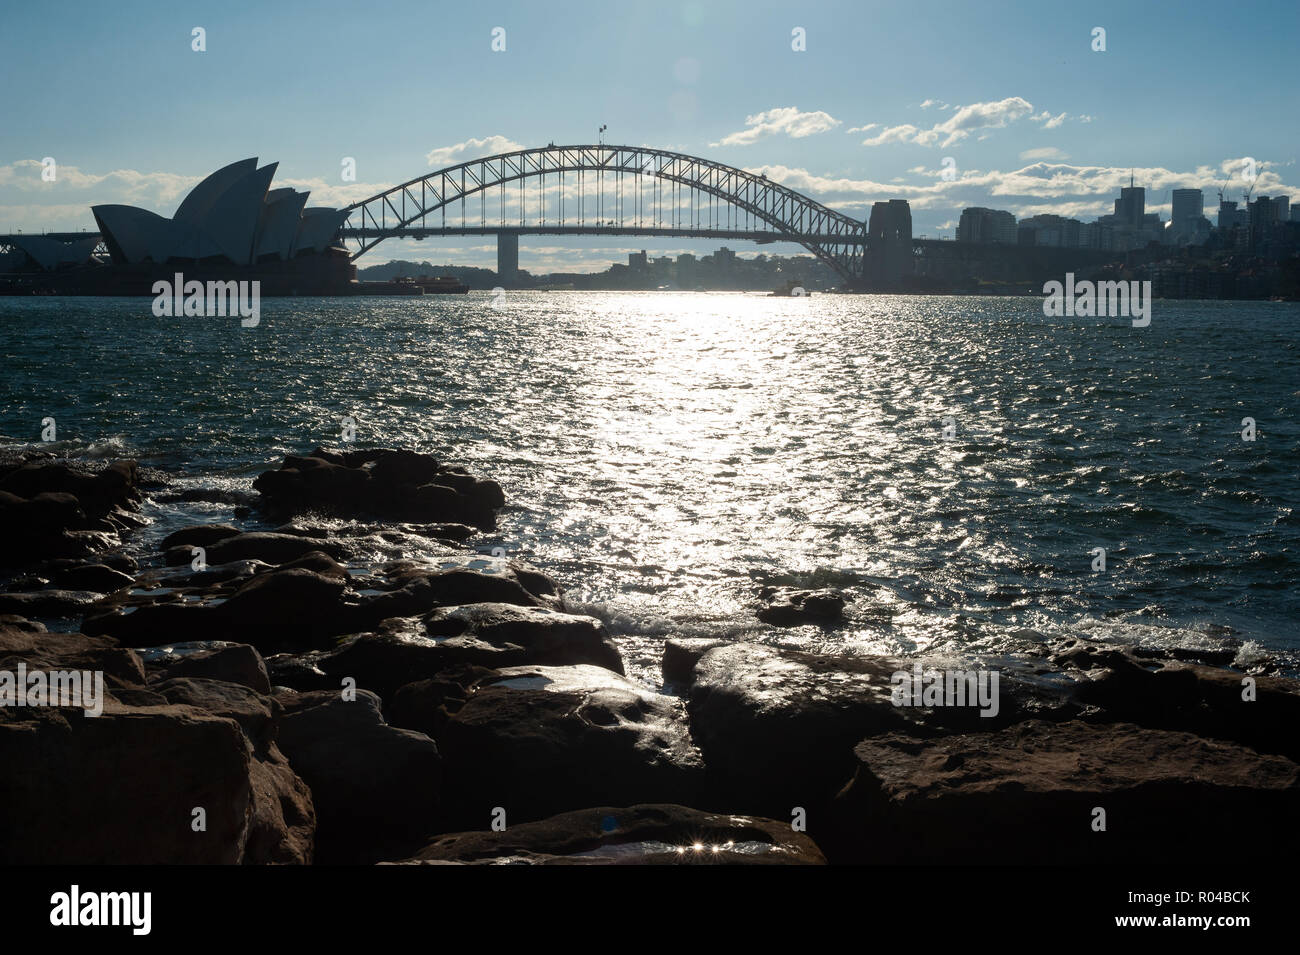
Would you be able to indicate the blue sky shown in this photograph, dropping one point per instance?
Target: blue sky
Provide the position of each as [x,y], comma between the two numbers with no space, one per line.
[1033,119]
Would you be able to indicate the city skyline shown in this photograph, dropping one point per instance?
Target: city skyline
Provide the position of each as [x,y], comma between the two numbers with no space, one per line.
[1057,128]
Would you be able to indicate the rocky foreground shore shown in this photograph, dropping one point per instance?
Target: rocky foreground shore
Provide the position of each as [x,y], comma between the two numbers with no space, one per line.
[281,697]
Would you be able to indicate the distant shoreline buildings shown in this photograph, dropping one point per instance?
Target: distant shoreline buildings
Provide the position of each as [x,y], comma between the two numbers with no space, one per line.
[1266,226]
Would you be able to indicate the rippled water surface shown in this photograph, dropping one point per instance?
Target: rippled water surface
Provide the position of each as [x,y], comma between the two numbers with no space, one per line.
[665,454]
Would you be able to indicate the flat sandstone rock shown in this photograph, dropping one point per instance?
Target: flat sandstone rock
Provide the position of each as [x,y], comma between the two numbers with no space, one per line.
[1040,792]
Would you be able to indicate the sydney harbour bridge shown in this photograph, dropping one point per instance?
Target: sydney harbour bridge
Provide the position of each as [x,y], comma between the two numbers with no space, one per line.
[632,191]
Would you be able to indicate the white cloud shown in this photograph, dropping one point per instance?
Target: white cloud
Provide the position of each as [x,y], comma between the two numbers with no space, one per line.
[991,115]
[1048,120]
[965,121]
[787,120]
[974,119]
[1043,152]
[905,133]
[471,149]
[25,175]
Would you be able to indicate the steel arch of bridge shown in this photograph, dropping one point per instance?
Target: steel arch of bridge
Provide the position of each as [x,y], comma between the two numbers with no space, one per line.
[405,210]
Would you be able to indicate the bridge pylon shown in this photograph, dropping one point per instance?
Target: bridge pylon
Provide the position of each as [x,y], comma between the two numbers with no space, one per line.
[507,258]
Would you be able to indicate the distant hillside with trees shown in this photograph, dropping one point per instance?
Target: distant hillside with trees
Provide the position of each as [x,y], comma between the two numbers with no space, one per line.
[475,278]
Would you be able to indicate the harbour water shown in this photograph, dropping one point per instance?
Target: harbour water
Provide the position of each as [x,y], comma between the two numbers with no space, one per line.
[951,463]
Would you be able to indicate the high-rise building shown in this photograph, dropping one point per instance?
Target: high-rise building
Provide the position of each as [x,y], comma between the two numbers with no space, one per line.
[1090,235]
[1262,217]
[686,269]
[1229,214]
[1130,207]
[1052,230]
[1188,225]
[1004,227]
[1261,213]
[1188,206]
[1097,235]
[987,225]
[1282,207]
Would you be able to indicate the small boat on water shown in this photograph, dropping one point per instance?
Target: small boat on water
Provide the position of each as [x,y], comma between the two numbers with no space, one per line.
[793,289]
[405,285]
[395,287]
[441,285]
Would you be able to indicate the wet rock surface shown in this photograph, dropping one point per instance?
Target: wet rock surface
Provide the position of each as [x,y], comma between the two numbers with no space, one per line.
[268,546]
[230,662]
[680,656]
[490,634]
[635,835]
[52,508]
[127,786]
[309,601]
[98,578]
[48,603]
[384,483]
[537,740]
[1257,711]
[376,787]
[479,634]
[99,796]
[327,698]
[787,607]
[1046,793]
[777,727]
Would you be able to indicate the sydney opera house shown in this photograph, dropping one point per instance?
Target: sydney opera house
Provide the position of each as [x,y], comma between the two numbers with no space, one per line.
[232,225]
